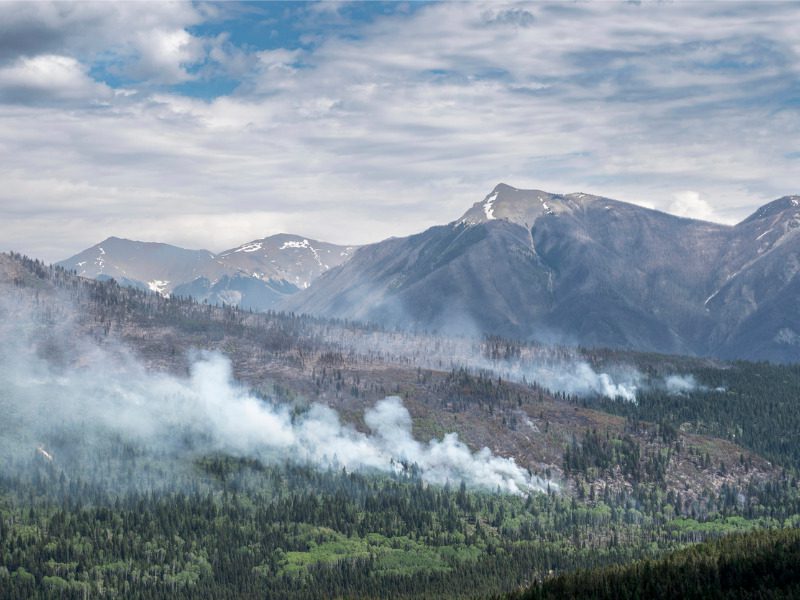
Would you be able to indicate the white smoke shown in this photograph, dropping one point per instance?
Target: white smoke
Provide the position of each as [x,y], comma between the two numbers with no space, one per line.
[680,384]
[556,369]
[122,398]
[447,459]
[580,379]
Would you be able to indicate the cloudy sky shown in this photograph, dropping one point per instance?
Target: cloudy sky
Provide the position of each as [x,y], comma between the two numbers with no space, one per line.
[207,125]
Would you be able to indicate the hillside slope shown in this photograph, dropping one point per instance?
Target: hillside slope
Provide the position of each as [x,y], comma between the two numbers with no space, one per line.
[584,270]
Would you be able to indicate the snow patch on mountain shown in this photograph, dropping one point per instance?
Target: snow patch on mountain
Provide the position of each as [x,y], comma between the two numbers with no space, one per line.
[488,206]
[251,247]
[99,261]
[303,244]
[306,245]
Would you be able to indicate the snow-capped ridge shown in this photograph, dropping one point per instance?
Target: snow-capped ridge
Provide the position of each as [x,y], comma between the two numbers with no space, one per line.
[255,274]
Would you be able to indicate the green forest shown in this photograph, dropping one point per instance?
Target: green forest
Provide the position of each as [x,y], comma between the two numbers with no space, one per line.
[753,404]
[232,528]
[757,564]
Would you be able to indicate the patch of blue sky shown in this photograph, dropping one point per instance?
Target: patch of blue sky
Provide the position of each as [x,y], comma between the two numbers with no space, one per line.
[465,75]
[257,26]
[790,97]
[624,76]
[535,89]
[292,25]
[600,58]
[600,178]
[207,88]
[758,98]
[110,71]
[555,165]
[746,55]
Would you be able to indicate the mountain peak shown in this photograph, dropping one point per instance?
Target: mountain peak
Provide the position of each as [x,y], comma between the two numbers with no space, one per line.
[126,244]
[287,236]
[286,257]
[110,240]
[512,204]
[776,208]
[255,274]
[503,187]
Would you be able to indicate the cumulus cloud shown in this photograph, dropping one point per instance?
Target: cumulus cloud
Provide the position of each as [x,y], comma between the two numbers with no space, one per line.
[163,55]
[48,78]
[149,40]
[689,204]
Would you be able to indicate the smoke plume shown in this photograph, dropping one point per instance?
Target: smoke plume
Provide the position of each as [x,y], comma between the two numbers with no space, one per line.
[109,395]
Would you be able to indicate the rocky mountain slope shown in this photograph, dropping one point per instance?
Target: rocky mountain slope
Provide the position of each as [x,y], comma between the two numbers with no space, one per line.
[586,270]
[254,275]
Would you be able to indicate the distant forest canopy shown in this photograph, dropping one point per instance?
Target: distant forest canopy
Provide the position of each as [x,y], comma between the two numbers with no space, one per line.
[230,528]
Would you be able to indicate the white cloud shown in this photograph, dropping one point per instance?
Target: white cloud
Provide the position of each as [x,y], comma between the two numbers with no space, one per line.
[689,204]
[48,77]
[163,55]
[145,39]
[400,124]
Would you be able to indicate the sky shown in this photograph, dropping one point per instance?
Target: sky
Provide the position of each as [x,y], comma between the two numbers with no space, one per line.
[207,125]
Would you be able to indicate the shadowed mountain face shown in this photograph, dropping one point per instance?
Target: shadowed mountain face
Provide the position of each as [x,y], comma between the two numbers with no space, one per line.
[583,269]
[255,275]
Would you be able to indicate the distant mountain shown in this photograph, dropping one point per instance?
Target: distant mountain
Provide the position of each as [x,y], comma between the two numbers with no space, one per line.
[588,270]
[255,275]
[149,265]
[285,257]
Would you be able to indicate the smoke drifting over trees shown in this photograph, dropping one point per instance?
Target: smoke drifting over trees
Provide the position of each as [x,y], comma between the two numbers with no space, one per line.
[110,394]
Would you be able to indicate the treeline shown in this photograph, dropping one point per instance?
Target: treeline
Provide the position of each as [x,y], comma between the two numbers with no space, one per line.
[122,523]
[757,565]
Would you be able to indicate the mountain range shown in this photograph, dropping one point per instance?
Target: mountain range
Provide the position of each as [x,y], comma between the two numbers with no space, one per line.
[575,269]
[256,275]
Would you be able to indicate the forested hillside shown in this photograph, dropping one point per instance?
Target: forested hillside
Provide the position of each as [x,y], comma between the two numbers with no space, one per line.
[683,450]
[230,529]
[761,564]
